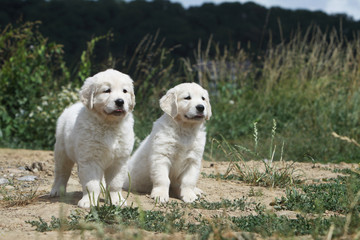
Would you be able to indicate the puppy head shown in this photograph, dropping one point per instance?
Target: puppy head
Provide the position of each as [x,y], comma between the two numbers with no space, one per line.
[187,102]
[110,94]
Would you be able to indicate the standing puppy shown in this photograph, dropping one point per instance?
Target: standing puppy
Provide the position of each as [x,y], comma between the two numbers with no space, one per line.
[97,134]
[170,157]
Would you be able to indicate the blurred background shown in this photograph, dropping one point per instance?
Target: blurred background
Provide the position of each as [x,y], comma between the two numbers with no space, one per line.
[283,76]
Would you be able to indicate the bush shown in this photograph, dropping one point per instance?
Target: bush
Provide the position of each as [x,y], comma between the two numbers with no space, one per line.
[31,67]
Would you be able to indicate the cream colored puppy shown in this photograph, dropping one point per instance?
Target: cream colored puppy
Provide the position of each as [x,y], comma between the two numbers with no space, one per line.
[97,134]
[170,157]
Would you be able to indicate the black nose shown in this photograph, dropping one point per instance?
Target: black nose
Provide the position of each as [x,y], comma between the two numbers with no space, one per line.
[119,102]
[200,108]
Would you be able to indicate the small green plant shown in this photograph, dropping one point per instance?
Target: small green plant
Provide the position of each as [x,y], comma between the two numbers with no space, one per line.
[71,223]
[253,193]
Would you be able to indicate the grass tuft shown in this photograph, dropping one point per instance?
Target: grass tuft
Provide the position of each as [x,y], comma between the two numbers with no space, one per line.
[270,174]
[19,197]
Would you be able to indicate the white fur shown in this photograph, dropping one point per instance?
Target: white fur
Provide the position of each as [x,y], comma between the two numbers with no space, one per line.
[170,157]
[97,134]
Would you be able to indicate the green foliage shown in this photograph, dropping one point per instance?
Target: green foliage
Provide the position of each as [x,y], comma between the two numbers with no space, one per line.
[309,85]
[35,86]
[270,224]
[334,196]
[225,203]
[71,223]
[30,67]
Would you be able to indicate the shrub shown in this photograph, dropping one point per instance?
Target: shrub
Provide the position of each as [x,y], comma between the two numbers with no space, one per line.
[30,68]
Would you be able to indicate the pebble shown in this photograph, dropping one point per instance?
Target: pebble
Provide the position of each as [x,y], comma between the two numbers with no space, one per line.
[9,187]
[29,178]
[3,181]
[15,171]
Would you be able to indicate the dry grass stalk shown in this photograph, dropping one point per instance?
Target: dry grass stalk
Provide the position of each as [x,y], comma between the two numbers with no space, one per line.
[347,139]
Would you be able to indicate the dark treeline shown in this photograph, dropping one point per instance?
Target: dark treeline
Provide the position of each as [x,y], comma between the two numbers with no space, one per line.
[74,22]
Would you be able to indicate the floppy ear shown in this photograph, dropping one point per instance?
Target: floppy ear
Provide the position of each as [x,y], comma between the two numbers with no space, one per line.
[132,104]
[208,107]
[168,103]
[87,93]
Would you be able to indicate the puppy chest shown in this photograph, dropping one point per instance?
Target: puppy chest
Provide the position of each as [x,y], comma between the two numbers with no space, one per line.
[115,148]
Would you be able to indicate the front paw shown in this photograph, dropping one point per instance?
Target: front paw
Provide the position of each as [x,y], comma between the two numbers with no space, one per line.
[189,195]
[85,201]
[56,192]
[160,194]
[198,191]
[117,199]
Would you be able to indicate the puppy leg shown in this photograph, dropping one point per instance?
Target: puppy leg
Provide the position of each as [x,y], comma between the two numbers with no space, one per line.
[63,166]
[161,182]
[90,177]
[115,176]
[188,190]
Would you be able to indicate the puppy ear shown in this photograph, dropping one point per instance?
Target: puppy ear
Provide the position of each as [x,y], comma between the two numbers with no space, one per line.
[208,107]
[168,103]
[87,93]
[133,102]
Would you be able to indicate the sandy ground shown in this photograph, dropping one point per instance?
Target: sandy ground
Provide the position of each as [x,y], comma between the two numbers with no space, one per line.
[14,164]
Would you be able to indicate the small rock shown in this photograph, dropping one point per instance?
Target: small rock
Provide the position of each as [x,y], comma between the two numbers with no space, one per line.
[14,171]
[29,178]
[3,181]
[9,187]
[22,168]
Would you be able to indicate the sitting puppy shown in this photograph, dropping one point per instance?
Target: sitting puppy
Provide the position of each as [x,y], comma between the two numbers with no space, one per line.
[170,157]
[97,134]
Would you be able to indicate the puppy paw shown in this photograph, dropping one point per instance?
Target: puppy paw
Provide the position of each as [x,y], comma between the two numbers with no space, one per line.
[117,199]
[54,193]
[189,195]
[198,191]
[57,191]
[86,203]
[160,194]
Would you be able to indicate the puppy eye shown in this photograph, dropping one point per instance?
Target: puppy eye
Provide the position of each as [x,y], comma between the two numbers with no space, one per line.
[188,98]
[107,91]
[203,98]
[125,91]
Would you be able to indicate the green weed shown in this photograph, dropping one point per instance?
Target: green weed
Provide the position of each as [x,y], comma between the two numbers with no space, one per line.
[71,223]
[269,224]
[335,196]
